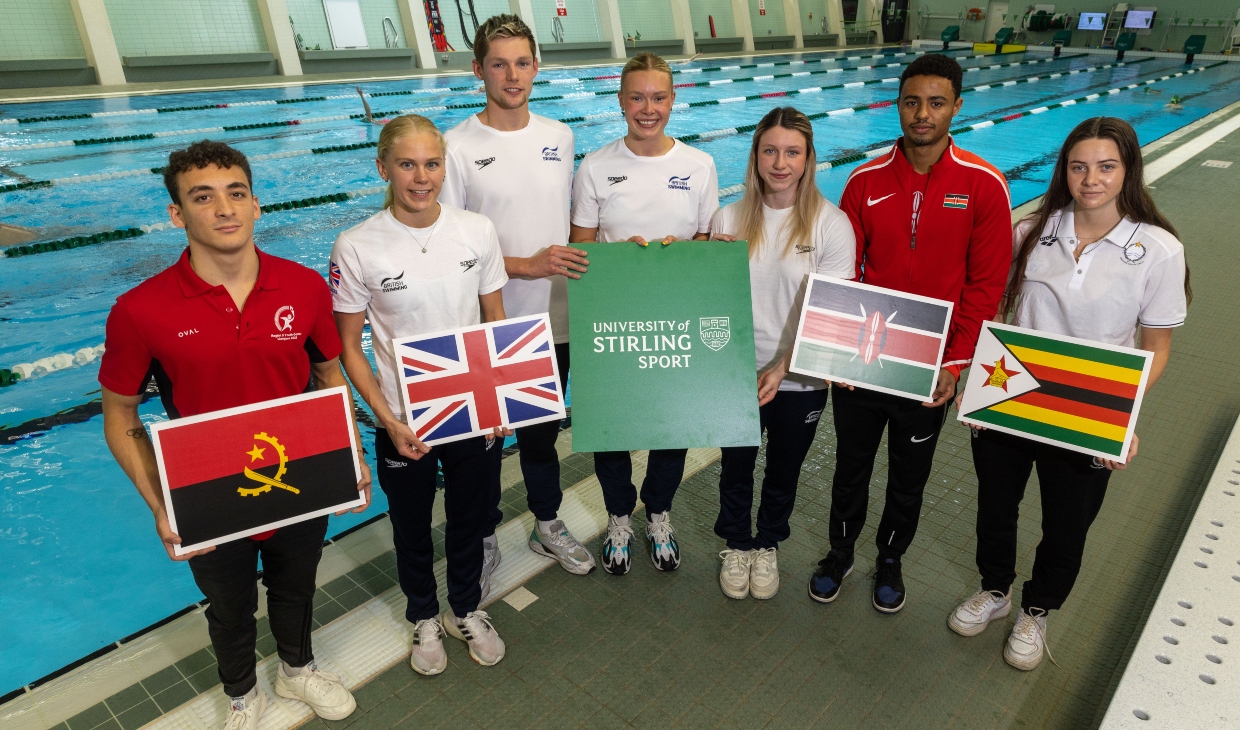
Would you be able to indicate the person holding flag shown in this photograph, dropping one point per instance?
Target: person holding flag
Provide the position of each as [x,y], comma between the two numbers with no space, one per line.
[417,267]
[228,325]
[792,231]
[1097,261]
[643,187]
[934,220]
[486,153]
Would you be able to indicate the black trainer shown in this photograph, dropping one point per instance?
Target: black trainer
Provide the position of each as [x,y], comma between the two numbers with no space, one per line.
[888,586]
[824,585]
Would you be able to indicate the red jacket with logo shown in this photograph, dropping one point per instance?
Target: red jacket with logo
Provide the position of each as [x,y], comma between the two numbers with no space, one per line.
[947,235]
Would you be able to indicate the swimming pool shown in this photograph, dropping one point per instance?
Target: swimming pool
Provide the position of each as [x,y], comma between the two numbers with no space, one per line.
[79,565]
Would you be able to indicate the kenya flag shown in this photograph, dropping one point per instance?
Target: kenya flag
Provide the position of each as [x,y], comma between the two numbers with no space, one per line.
[1077,394]
[871,337]
[242,471]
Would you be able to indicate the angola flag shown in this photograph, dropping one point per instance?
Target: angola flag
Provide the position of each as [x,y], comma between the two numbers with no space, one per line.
[871,337]
[242,471]
[1073,393]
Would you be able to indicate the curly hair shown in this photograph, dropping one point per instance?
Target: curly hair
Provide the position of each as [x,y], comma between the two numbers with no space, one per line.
[199,155]
[934,64]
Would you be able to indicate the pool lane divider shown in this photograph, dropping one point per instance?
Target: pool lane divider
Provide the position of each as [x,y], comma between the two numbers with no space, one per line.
[699,137]
[124,233]
[883,147]
[730,131]
[474,87]
[482,104]
[120,234]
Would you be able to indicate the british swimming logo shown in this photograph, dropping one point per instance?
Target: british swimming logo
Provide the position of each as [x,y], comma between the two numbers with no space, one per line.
[551,154]
[483,163]
[678,183]
[393,283]
[334,276]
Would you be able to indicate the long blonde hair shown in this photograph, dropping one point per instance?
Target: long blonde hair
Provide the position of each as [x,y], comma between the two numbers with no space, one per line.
[398,128]
[809,199]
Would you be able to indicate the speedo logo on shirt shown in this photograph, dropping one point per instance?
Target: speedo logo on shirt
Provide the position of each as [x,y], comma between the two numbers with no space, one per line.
[804,249]
[551,154]
[617,179]
[393,283]
[467,265]
[483,163]
[678,183]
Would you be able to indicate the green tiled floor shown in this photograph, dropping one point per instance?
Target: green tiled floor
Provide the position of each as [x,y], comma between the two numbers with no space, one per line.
[669,650]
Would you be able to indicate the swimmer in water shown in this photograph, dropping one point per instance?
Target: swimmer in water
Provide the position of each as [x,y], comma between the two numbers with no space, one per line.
[1175,102]
[366,105]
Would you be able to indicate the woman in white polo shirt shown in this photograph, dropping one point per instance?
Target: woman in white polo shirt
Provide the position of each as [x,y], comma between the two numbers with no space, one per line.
[645,186]
[1099,262]
[417,267]
[792,231]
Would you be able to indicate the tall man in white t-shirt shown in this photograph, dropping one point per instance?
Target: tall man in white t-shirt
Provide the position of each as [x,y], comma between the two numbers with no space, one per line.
[517,169]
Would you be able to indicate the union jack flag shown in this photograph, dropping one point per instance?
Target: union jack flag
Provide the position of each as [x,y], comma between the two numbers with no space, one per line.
[333,281]
[467,381]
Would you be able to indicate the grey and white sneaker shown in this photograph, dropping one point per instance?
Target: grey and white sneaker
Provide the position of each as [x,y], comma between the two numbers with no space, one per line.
[244,712]
[617,553]
[559,544]
[1027,641]
[427,655]
[664,552]
[323,691]
[763,573]
[491,557]
[734,574]
[975,614]
[475,629]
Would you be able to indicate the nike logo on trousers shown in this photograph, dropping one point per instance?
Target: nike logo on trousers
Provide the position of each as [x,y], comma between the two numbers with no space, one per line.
[916,440]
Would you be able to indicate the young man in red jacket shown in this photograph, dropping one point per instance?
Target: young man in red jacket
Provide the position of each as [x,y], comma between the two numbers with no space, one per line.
[930,219]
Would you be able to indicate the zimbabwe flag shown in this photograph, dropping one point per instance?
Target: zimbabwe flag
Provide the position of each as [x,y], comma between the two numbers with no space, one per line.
[871,337]
[1072,393]
[246,470]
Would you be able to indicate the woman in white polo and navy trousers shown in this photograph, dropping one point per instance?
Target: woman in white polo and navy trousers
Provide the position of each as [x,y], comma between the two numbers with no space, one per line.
[418,267]
[1099,262]
[645,186]
[792,231]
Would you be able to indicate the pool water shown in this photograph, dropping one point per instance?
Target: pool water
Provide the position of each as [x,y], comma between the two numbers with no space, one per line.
[80,566]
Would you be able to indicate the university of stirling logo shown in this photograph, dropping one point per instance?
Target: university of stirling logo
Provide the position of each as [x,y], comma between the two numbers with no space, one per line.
[716,331]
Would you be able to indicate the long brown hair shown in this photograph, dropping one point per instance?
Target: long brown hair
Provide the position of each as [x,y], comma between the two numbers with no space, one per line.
[1134,199]
[809,200]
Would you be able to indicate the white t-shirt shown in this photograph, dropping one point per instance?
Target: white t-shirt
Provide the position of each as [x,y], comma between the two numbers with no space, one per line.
[777,277]
[377,267]
[1134,276]
[623,195]
[522,181]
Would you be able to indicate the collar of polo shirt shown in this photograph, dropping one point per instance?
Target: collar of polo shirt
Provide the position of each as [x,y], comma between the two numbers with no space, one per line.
[1121,235]
[193,285]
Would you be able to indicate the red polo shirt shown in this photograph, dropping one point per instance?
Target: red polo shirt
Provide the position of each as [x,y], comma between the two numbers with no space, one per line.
[207,355]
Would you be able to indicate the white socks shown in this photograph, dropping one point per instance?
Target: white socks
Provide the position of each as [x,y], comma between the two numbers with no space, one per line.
[491,541]
[295,671]
[544,526]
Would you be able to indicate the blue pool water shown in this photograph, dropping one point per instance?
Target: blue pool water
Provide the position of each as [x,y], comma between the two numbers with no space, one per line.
[80,567]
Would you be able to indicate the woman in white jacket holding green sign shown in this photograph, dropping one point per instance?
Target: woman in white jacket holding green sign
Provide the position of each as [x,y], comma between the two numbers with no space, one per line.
[645,186]
[792,231]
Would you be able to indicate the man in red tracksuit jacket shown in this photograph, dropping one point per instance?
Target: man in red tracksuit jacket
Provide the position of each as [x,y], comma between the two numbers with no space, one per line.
[934,220]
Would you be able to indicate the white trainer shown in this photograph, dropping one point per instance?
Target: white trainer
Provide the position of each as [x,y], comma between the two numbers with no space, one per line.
[244,712]
[763,573]
[975,614]
[734,575]
[427,656]
[1027,640]
[559,544]
[475,629]
[323,691]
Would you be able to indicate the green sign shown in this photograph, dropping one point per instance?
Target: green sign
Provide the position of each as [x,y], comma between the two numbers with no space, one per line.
[661,340]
